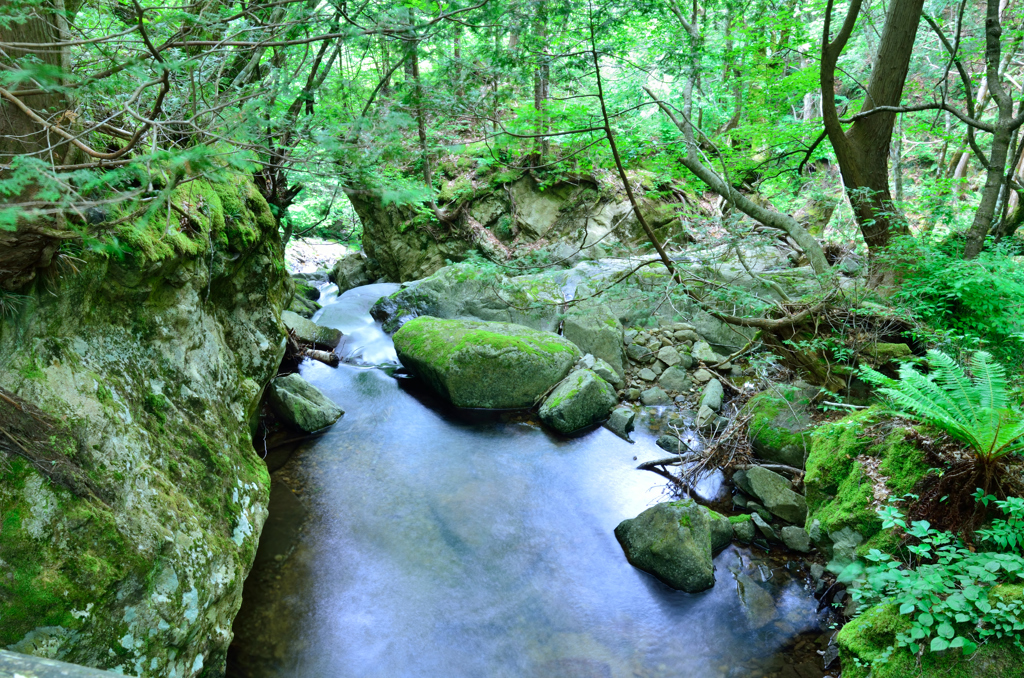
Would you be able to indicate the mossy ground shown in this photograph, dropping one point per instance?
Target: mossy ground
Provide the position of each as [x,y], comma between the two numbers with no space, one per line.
[866,637]
[841,490]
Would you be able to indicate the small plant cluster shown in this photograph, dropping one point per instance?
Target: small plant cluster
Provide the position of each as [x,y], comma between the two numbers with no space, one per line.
[947,591]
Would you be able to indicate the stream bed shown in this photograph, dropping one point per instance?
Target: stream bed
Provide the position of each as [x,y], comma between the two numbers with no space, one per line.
[416,540]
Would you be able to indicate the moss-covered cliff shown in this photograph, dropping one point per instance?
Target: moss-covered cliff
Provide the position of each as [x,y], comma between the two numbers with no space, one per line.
[131,500]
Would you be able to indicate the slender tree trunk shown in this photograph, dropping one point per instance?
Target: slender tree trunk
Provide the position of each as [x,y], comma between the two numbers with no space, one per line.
[996,171]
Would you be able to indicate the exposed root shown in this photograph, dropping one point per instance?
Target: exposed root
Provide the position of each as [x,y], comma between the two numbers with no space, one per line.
[49,445]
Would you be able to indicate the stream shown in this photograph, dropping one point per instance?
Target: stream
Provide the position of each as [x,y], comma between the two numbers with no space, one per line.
[416,540]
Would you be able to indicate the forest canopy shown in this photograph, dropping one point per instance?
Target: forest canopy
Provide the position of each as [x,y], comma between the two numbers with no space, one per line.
[909,108]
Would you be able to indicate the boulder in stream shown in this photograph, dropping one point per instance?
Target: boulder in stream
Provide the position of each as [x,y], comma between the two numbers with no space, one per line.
[620,422]
[672,541]
[301,404]
[349,272]
[776,494]
[582,399]
[308,332]
[489,365]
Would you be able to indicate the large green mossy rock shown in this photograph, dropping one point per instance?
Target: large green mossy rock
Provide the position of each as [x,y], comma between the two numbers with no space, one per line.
[581,400]
[781,424]
[672,541]
[487,365]
[126,536]
[301,404]
[840,483]
[866,637]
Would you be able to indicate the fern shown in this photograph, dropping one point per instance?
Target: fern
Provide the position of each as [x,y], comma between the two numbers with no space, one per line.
[974,409]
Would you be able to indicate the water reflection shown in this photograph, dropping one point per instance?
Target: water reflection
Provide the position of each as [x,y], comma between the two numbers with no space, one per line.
[444,544]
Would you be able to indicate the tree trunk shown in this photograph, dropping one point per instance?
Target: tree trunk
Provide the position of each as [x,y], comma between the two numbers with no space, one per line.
[33,244]
[863,150]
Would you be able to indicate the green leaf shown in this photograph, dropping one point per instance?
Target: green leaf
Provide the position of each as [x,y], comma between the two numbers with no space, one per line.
[907,608]
[939,644]
[945,630]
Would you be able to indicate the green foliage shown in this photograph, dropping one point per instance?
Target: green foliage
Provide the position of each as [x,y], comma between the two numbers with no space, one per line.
[951,596]
[968,302]
[975,410]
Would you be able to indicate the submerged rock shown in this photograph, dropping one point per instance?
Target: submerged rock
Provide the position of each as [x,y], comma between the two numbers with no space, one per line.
[672,541]
[776,494]
[301,404]
[487,365]
[758,605]
[582,399]
[308,332]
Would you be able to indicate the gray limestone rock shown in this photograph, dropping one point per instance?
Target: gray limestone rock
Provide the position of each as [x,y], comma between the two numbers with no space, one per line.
[796,538]
[778,497]
[620,422]
[669,355]
[713,395]
[675,379]
[308,332]
[655,396]
[301,404]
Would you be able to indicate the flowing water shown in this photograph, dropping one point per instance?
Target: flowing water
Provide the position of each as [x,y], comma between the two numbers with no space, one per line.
[431,542]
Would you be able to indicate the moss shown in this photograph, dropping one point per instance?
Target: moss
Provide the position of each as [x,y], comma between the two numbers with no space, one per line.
[157,405]
[840,491]
[742,518]
[866,637]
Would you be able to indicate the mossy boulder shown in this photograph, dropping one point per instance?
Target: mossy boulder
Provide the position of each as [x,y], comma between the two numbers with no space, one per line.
[301,404]
[582,399]
[126,537]
[487,365]
[850,473]
[672,541]
[866,637]
[780,425]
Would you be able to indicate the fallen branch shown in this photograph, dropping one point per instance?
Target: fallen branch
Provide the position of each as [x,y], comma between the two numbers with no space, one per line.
[771,467]
[326,357]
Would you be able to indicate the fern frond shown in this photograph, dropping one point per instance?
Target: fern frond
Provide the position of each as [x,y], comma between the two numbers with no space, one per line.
[928,389]
[972,410]
[989,380]
[952,378]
